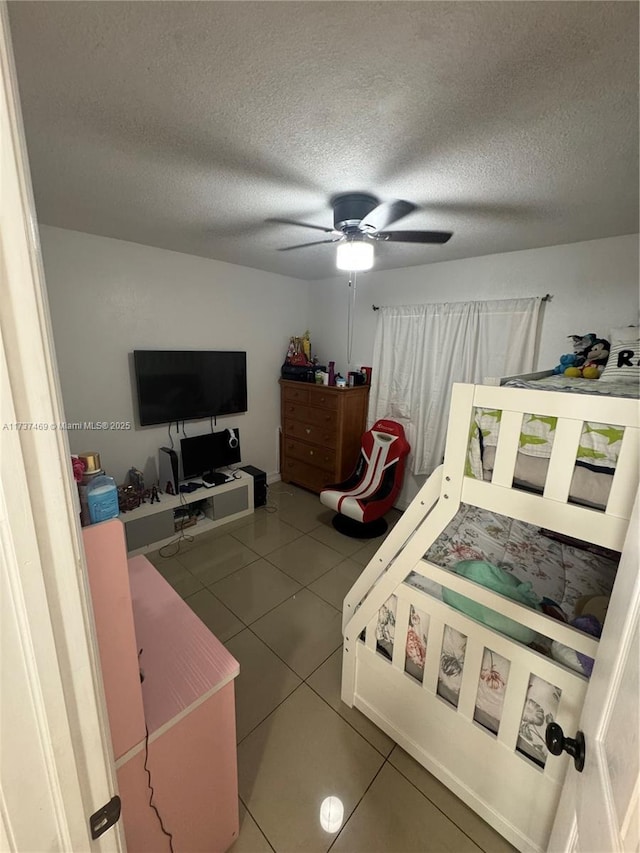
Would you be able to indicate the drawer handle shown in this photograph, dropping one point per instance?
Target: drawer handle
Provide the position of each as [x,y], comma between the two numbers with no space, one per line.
[311,453]
[308,431]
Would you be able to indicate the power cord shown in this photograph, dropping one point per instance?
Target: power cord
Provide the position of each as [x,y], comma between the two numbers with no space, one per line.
[182,536]
[148,772]
[151,803]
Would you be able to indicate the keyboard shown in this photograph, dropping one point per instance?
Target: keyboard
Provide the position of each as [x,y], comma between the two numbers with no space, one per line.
[214,478]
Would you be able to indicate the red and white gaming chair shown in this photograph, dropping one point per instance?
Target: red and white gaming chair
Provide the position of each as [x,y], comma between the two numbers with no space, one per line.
[362,500]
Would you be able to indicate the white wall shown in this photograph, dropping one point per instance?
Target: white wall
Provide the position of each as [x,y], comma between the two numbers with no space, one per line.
[109,297]
[594,287]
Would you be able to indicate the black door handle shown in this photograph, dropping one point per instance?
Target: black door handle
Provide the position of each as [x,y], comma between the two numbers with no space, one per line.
[557,743]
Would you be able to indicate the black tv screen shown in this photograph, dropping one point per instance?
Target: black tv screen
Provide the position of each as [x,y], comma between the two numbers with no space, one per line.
[189,384]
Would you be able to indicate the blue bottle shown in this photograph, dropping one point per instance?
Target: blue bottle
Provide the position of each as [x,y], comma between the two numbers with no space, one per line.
[102,497]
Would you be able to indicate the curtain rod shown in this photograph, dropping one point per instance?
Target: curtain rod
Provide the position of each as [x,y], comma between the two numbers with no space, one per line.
[546,298]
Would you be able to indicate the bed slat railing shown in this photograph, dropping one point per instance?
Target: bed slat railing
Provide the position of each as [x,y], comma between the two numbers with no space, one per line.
[562,462]
[435,636]
[577,521]
[624,487]
[370,636]
[470,677]
[507,449]
[380,587]
[514,701]
[523,660]
[533,619]
[538,663]
[610,410]
[401,630]
[393,544]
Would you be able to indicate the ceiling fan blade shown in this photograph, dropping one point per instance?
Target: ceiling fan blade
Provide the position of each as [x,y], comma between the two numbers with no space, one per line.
[303,245]
[386,213]
[414,236]
[302,224]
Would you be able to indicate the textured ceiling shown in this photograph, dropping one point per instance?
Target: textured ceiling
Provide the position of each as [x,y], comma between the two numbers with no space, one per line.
[185,125]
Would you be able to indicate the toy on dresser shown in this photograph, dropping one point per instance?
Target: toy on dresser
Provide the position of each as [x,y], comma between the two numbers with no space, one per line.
[588,358]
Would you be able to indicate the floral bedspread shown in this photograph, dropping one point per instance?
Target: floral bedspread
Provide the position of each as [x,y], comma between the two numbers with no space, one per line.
[556,570]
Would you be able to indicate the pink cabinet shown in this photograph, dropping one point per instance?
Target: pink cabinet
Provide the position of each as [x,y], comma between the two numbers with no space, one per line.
[186,701]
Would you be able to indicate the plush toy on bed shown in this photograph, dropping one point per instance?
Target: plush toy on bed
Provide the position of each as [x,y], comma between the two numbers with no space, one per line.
[567,360]
[580,343]
[595,358]
[590,615]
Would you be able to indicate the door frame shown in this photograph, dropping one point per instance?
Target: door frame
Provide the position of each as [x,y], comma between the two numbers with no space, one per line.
[50,653]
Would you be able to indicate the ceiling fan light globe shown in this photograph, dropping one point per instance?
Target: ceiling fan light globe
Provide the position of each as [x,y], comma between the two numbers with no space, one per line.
[354,256]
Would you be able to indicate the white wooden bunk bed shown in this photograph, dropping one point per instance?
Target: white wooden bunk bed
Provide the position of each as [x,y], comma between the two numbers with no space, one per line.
[434,710]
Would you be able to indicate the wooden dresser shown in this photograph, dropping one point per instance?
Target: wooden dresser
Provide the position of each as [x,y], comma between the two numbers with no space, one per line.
[322,431]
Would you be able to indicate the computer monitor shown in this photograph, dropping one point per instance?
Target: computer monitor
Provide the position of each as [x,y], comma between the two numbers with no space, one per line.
[198,455]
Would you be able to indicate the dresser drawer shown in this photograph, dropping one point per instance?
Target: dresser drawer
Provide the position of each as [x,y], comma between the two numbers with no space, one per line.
[292,395]
[324,435]
[318,397]
[305,475]
[309,415]
[313,454]
[295,411]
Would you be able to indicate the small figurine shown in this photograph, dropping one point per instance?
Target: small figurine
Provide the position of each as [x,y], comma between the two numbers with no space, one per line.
[154,495]
[136,479]
[169,488]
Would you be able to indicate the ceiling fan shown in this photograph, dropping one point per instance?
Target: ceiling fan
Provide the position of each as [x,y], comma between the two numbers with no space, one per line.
[360,220]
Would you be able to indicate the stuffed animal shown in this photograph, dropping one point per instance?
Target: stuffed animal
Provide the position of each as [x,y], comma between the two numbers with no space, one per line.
[566,361]
[593,605]
[569,657]
[595,358]
[581,343]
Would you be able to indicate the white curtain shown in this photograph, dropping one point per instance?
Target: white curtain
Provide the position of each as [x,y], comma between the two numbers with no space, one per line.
[420,350]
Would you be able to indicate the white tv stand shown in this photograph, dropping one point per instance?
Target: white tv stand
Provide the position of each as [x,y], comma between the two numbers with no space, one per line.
[152,525]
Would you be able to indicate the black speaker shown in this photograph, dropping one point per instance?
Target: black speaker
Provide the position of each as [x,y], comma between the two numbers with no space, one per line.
[259,485]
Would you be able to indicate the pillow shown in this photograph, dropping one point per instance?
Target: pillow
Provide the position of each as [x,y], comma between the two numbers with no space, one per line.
[499,581]
[624,333]
[624,361]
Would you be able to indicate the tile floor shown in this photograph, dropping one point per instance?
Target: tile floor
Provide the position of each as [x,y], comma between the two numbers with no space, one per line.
[270,587]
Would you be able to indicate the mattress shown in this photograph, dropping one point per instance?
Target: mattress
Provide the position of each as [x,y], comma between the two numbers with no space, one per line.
[577,385]
[558,571]
[588,487]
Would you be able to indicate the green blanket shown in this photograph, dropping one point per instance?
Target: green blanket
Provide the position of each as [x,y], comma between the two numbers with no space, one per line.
[599,444]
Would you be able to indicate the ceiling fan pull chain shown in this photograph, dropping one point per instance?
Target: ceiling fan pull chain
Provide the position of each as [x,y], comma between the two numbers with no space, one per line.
[351,309]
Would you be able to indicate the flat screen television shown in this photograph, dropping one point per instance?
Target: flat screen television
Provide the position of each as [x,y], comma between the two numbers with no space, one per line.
[184,385]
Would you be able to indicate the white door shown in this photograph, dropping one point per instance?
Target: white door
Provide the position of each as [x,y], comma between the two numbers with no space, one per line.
[56,761]
[600,808]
